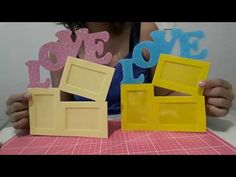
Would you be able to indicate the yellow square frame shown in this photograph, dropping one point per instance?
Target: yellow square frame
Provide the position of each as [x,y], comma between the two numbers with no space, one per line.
[137,106]
[87,79]
[180,74]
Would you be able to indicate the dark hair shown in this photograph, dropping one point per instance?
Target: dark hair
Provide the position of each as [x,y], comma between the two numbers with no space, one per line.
[73,26]
[116,27]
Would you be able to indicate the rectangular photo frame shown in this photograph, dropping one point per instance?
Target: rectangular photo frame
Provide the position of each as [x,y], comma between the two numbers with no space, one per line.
[87,79]
[181,74]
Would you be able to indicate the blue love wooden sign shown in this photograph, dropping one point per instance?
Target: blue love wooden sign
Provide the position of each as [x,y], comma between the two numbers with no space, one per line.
[189,48]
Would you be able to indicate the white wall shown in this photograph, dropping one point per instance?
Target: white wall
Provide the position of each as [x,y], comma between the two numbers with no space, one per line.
[20,42]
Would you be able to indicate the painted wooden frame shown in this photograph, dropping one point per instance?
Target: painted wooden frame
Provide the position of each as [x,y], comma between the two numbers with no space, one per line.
[180,113]
[181,74]
[87,119]
[50,116]
[43,110]
[87,79]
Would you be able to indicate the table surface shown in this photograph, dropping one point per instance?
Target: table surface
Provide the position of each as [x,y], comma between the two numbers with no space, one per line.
[224,128]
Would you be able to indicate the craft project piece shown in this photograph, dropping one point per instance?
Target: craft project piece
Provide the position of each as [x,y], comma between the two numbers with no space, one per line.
[155,48]
[43,110]
[34,75]
[86,79]
[49,116]
[95,47]
[189,43]
[66,47]
[180,74]
[142,111]
[87,119]
[180,113]
[128,73]
[137,109]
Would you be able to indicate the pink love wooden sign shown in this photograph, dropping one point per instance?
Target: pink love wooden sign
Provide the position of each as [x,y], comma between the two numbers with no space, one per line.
[93,46]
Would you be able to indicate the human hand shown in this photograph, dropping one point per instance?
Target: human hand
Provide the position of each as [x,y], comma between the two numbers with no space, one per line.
[219,97]
[18,110]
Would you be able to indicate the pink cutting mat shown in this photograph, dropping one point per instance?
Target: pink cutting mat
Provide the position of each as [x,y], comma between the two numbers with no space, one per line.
[119,142]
